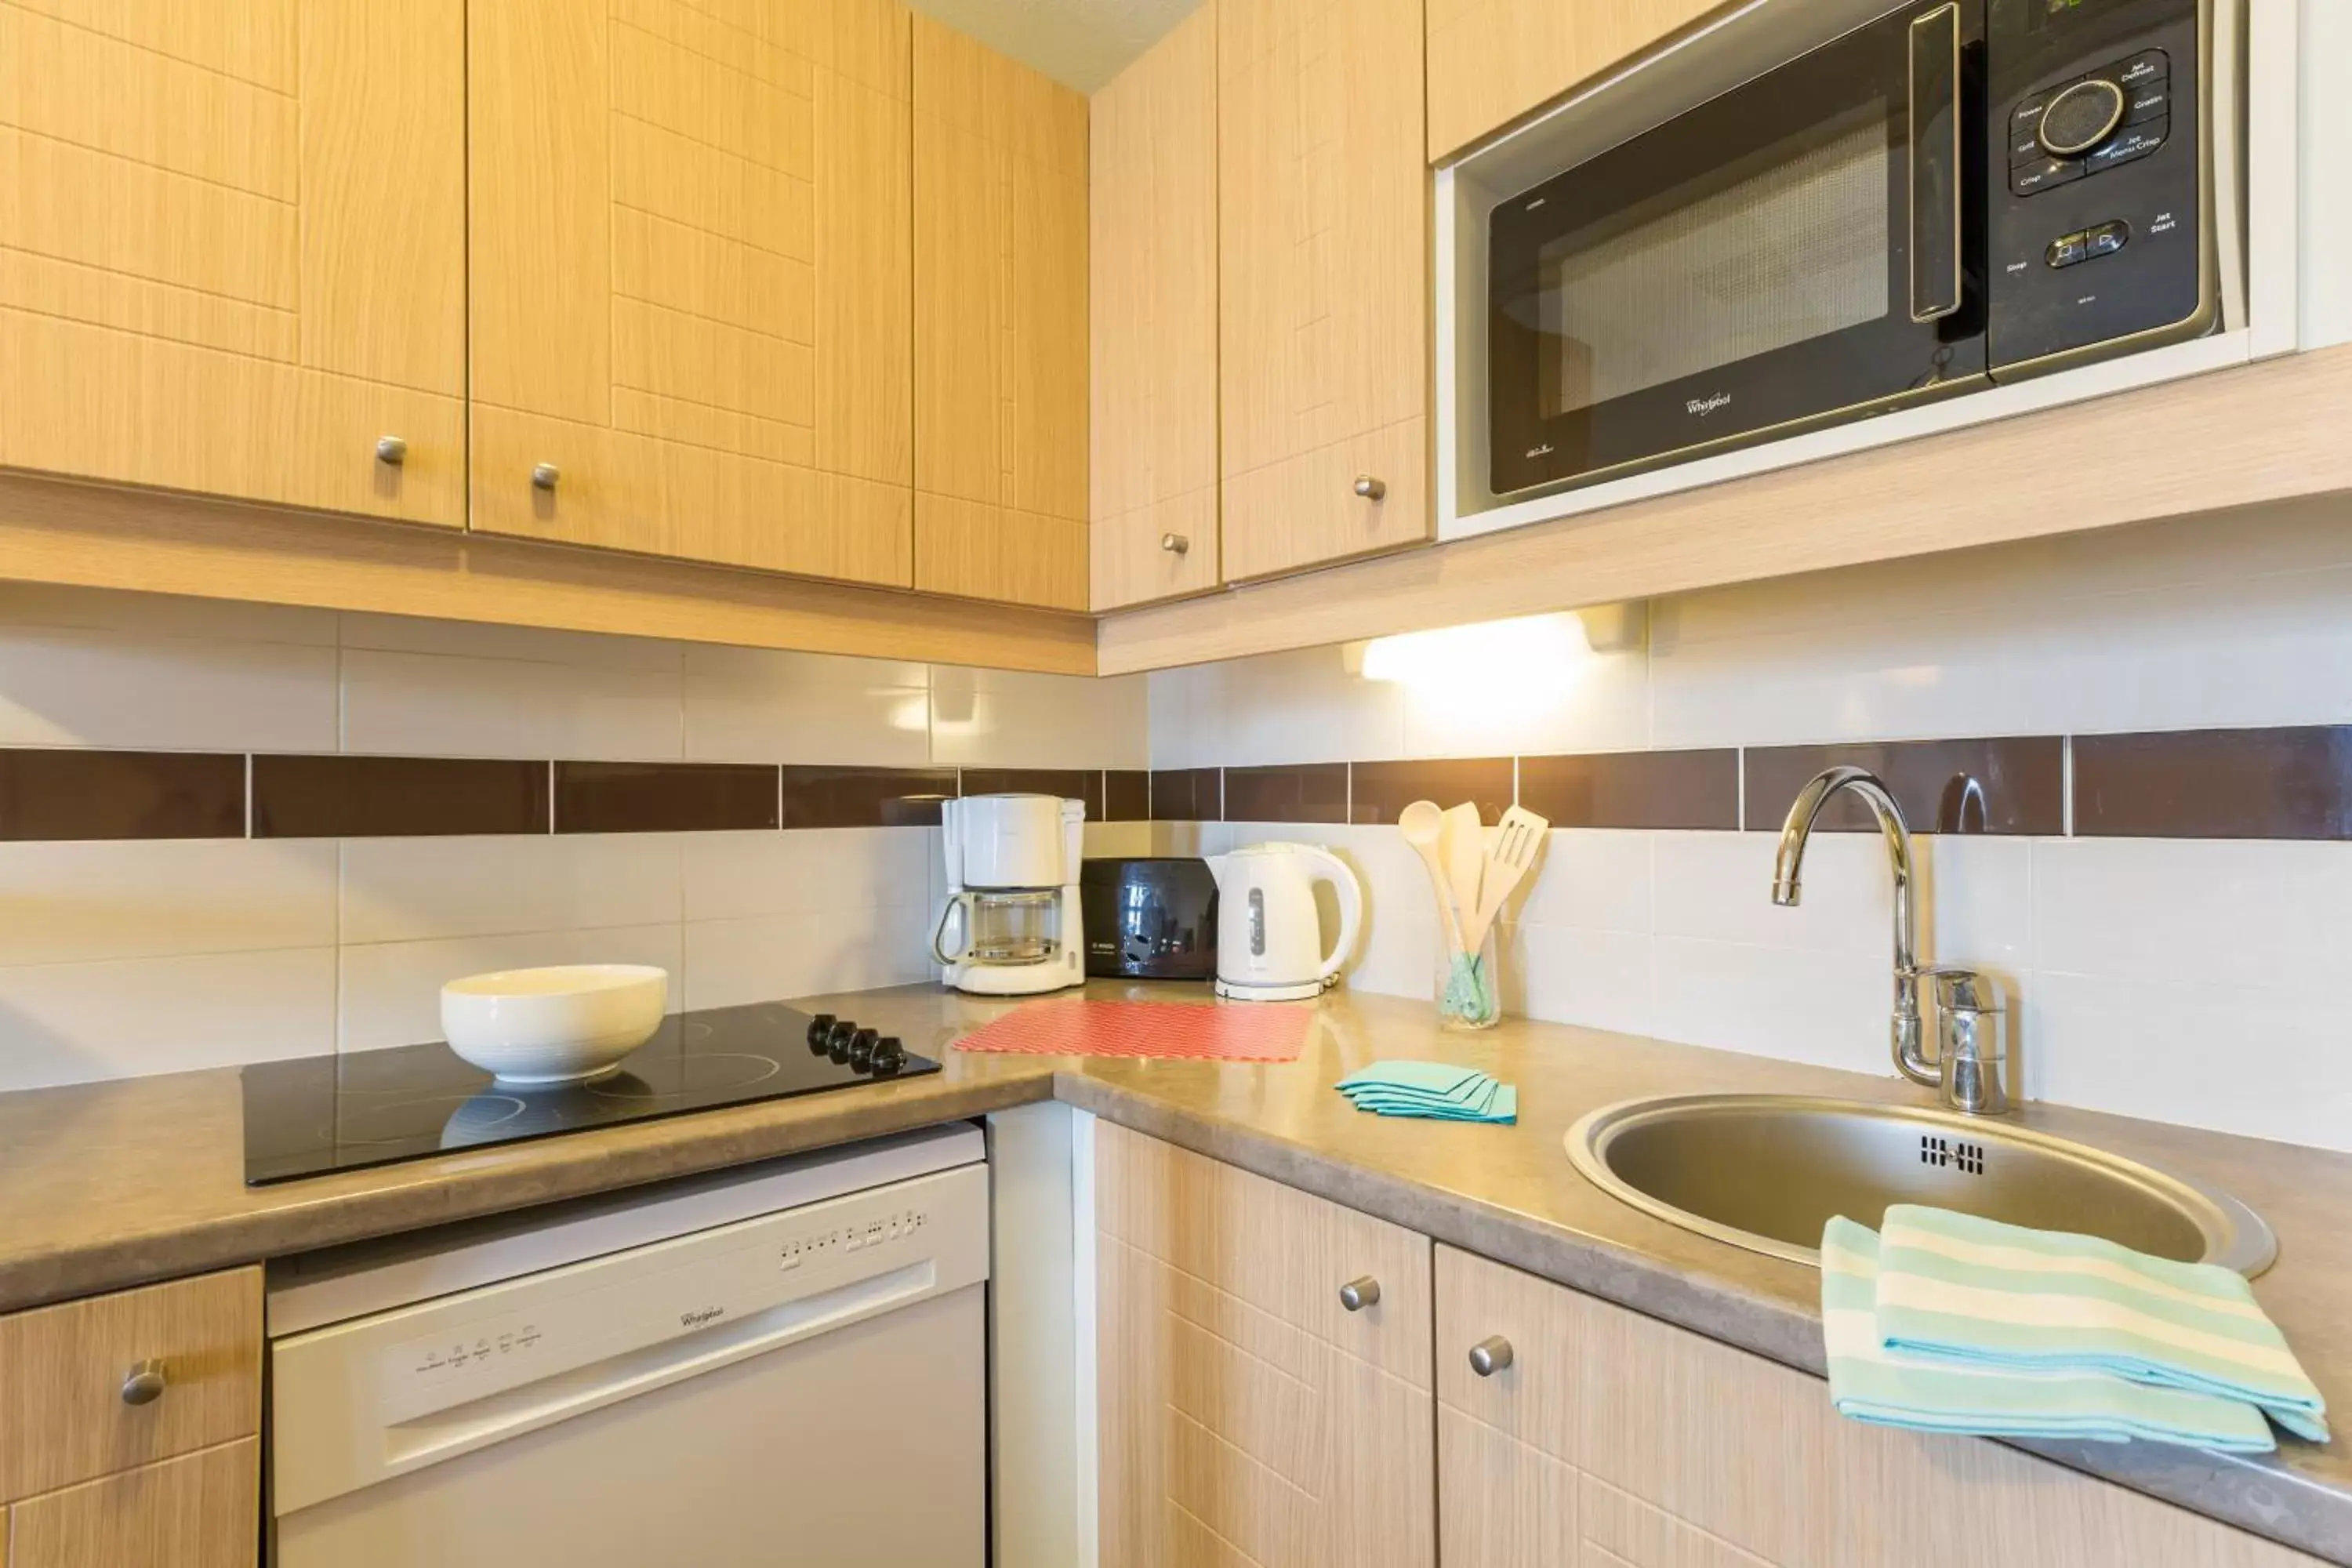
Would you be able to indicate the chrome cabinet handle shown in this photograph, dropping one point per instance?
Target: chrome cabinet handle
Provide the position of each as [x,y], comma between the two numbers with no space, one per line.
[1490,1356]
[1370,488]
[391,450]
[1174,543]
[544,475]
[144,1385]
[1359,1293]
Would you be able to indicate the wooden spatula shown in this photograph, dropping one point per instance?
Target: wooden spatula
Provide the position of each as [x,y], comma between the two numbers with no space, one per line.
[1517,841]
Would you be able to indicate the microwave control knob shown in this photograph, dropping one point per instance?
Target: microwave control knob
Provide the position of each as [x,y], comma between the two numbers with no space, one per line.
[1371,486]
[889,1055]
[2082,116]
[836,1042]
[819,1030]
[861,1049]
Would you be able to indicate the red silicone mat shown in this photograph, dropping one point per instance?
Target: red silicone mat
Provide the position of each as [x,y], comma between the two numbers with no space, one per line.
[1194,1031]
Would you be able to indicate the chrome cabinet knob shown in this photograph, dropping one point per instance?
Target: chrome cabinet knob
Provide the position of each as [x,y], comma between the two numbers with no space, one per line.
[144,1383]
[391,450]
[1490,1356]
[1359,1293]
[1370,488]
[1174,543]
[544,475]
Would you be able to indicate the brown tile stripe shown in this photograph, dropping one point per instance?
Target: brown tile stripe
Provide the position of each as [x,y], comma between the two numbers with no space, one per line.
[2215,784]
[1070,783]
[866,797]
[1378,791]
[663,797]
[1127,795]
[76,794]
[2012,785]
[1306,792]
[1187,794]
[369,797]
[1696,789]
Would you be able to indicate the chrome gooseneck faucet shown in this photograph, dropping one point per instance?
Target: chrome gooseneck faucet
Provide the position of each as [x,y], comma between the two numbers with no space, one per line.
[1905,1032]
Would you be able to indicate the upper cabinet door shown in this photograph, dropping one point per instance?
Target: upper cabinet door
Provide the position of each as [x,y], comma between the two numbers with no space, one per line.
[1000,327]
[1324,259]
[691,265]
[1490,61]
[232,249]
[1152,209]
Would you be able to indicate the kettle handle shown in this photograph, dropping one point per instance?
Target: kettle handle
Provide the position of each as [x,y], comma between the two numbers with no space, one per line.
[1351,889]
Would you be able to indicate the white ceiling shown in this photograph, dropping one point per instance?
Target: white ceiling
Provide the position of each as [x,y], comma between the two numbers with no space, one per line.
[1079,43]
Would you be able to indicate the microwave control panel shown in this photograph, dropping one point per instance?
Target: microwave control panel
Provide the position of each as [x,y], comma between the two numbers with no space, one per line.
[2096,181]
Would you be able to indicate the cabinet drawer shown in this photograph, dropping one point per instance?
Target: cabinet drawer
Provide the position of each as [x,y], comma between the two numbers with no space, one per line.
[199,1511]
[63,1417]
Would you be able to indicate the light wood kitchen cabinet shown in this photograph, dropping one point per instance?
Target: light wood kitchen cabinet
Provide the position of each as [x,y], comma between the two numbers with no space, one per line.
[1000,345]
[1153,218]
[232,249]
[1246,1415]
[1612,1438]
[1323,281]
[1491,61]
[130,1427]
[691,263]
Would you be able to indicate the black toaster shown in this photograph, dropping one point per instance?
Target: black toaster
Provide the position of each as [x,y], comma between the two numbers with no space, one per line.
[1150,918]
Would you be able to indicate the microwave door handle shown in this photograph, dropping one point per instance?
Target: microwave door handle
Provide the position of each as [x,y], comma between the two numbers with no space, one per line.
[1936,168]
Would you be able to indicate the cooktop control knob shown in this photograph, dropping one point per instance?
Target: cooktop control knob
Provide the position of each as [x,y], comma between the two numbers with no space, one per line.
[837,1043]
[861,1049]
[2081,117]
[889,1055]
[820,1028]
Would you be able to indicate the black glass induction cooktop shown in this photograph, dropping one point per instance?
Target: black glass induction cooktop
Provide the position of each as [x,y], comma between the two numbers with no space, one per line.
[318,1114]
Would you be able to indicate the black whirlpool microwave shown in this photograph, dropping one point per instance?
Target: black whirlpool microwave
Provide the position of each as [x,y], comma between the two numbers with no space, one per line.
[1949,194]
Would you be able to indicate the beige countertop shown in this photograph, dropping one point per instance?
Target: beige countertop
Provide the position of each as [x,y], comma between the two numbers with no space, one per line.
[107,1185]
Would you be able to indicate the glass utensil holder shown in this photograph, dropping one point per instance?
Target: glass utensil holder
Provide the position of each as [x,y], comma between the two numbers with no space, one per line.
[1469,984]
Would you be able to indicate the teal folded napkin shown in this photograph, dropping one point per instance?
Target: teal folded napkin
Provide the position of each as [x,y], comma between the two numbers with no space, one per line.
[1868,1382]
[1439,1090]
[1972,1291]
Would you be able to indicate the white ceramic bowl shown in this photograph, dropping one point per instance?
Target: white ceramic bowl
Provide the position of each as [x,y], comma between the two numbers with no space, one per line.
[567,1024]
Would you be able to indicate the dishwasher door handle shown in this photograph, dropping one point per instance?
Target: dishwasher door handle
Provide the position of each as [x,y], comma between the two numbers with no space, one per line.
[461,1430]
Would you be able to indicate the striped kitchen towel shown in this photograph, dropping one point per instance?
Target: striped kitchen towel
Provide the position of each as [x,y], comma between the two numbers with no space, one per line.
[1974,1291]
[1870,1382]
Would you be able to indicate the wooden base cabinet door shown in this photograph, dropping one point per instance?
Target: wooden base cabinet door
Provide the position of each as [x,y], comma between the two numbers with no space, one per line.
[232,249]
[691,259]
[1246,1415]
[1000,327]
[1323,281]
[1611,1440]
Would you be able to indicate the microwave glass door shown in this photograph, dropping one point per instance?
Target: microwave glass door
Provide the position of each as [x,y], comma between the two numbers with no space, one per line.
[1799,247]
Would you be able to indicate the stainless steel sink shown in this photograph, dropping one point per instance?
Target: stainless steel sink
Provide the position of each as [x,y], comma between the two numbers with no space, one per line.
[1766,1171]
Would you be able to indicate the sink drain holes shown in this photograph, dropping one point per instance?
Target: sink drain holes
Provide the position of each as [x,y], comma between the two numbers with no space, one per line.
[1951,1155]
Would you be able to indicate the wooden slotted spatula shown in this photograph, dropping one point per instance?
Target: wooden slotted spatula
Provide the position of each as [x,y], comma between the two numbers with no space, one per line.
[1517,841]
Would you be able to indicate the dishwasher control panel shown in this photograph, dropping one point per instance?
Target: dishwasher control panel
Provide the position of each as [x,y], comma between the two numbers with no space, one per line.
[412,1387]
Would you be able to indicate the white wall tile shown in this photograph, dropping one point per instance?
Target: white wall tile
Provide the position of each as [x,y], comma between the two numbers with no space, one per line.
[998,717]
[1806,1004]
[1594,879]
[83,901]
[391,991]
[1599,979]
[471,639]
[442,705]
[1597,703]
[67,1023]
[755,705]
[1301,707]
[414,889]
[739,876]
[773,957]
[75,688]
[2211,912]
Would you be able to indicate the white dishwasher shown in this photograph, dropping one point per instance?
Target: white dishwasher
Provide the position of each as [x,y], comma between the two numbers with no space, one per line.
[784,1365]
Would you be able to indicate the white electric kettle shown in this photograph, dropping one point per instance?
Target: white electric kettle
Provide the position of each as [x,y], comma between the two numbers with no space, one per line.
[1269,941]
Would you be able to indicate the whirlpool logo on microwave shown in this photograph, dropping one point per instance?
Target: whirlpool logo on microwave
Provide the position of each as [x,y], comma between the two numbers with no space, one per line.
[1703,407]
[699,1316]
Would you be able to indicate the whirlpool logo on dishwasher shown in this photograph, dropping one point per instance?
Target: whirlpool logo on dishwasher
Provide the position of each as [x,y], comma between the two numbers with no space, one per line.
[699,1316]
